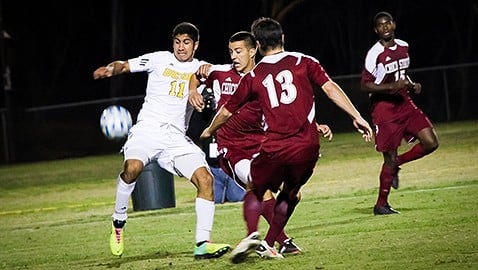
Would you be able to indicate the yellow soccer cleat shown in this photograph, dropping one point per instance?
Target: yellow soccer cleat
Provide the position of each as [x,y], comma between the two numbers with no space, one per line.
[209,250]
[117,238]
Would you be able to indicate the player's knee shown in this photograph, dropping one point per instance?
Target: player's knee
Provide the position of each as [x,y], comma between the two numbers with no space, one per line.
[132,169]
[206,179]
[203,180]
[430,145]
[242,170]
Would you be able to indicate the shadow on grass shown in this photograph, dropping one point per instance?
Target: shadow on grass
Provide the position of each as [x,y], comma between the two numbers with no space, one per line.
[117,262]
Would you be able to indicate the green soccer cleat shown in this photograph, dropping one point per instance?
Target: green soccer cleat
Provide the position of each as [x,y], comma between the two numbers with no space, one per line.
[209,250]
[117,238]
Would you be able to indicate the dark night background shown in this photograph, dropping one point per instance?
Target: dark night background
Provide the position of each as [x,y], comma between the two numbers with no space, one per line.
[53,47]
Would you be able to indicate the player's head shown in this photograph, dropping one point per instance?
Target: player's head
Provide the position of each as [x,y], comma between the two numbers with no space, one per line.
[185,41]
[384,25]
[268,33]
[242,49]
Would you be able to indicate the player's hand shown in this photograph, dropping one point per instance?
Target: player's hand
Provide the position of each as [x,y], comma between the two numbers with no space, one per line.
[113,68]
[203,71]
[325,131]
[196,100]
[398,85]
[103,72]
[206,134]
[417,88]
[363,128]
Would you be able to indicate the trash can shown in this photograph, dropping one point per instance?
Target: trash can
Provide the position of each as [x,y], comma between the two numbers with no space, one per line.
[154,189]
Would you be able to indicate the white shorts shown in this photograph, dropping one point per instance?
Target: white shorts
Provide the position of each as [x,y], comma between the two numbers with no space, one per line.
[165,144]
[242,170]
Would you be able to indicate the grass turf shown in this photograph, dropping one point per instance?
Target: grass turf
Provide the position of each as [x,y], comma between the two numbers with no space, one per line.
[56,214]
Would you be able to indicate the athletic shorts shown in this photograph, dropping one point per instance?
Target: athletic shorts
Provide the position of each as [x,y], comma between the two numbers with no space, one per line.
[289,161]
[269,174]
[406,122]
[165,144]
[229,160]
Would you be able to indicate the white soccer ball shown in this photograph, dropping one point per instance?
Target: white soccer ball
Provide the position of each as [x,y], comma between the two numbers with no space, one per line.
[115,122]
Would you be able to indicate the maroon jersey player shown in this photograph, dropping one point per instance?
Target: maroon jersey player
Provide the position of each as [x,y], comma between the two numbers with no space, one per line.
[240,138]
[394,114]
[282,82]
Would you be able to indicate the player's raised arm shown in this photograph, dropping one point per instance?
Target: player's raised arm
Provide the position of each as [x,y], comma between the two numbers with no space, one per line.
[112,69]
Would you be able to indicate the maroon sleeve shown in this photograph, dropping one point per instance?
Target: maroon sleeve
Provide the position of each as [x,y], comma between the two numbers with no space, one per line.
[242,94]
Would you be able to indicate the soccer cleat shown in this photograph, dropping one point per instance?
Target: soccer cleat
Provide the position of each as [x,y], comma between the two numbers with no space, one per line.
[244,247]
[267,252]
[209,250]
[384,210]
[289,247]
[117,238]
[395,178]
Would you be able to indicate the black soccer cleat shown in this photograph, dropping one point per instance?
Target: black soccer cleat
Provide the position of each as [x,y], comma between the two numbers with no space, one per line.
[289,247]
[384,210]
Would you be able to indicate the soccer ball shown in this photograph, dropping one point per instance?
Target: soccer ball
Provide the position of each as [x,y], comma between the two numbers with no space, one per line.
[115,122]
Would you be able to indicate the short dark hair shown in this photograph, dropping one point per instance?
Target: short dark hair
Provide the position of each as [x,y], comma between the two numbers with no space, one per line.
[268,32]
[380,15]
[188,29]
[245,36]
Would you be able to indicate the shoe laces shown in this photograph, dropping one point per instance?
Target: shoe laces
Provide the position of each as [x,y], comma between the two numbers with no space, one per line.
[272,250]
[118,234]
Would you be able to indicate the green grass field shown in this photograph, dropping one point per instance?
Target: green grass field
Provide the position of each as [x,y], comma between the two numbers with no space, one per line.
[56,214]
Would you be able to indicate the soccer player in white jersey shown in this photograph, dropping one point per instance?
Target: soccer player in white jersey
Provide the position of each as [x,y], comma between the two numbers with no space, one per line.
[159,135]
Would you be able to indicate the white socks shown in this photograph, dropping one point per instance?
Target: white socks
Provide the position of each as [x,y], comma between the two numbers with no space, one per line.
[123,193]
[204,210]
[204,219]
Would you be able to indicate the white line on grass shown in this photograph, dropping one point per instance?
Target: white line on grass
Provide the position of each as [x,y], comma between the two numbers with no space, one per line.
[44,209]
[343,198]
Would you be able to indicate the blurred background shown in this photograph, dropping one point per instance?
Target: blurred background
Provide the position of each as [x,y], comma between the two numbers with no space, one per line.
[50,105]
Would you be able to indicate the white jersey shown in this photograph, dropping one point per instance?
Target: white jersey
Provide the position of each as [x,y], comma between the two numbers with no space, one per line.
[167,90]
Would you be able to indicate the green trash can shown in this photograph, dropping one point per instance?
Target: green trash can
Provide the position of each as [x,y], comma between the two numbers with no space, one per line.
[154,189]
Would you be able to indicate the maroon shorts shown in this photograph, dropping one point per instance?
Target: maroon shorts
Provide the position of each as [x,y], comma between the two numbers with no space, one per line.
[405,123]
[292,165]
[269,174]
